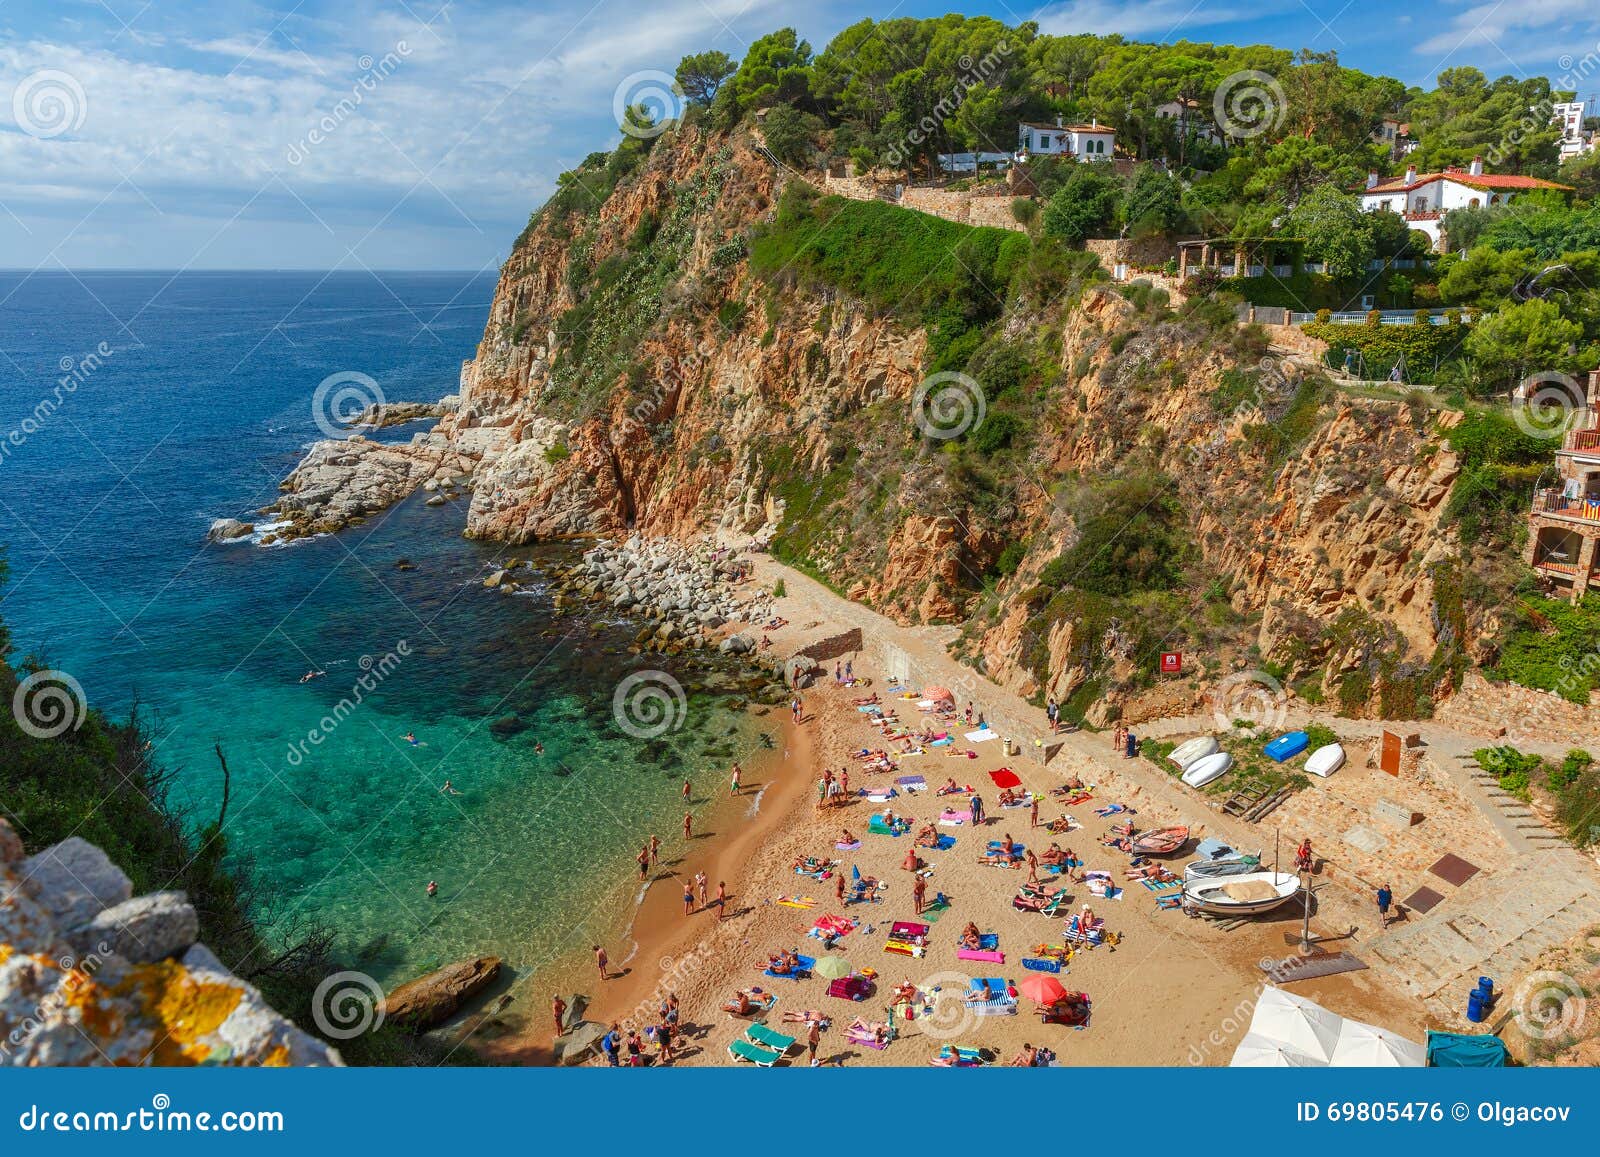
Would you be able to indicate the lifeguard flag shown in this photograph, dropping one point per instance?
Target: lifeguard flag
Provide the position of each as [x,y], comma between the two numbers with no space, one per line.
[1171,662]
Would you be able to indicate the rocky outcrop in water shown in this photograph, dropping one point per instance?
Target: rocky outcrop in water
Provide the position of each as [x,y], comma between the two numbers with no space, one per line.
[340,483]
[91,974]
[430,1000]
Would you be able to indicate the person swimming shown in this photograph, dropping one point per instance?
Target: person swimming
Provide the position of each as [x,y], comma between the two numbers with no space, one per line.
[538,748]
[448,789]
[433,888]
[411,738]
[310,675]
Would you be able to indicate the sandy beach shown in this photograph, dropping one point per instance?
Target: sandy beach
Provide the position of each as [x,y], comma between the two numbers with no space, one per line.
[1171,990]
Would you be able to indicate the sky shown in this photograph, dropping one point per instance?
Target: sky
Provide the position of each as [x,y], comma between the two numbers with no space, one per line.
[420,134]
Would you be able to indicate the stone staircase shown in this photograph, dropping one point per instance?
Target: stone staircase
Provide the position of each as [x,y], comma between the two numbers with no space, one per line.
[1529,829]
[1491,927]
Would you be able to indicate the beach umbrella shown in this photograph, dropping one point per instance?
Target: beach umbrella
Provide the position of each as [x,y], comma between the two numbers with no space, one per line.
[938,693]
[1260,1052]
[1042,987]
[1298,1024]
[1367,1046]
[832,967]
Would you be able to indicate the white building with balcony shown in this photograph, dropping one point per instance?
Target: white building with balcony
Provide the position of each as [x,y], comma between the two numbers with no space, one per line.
[1091,142]
[1424,198]
[1568,117]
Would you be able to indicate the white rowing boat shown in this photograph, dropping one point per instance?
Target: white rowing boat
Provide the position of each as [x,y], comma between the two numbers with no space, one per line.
[1324,761]
[1247,895]
[1203,771]
[1198,748]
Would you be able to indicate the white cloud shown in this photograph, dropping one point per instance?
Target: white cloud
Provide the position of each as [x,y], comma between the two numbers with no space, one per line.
[1536,32]
[1168,19]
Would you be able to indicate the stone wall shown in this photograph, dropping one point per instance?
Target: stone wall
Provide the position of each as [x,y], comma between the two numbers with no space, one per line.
[962,207]
[92,975]
[1141,251]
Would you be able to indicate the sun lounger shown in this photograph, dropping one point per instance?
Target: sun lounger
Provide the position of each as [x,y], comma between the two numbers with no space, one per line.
[769,1038]
[743,1050]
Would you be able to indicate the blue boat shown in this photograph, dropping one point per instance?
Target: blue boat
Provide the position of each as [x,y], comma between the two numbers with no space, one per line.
[1288,746]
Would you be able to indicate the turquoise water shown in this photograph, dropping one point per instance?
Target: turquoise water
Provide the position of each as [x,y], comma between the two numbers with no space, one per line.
[199,404]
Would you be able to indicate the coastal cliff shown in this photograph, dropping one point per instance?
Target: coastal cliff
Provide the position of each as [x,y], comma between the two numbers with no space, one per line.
[689,340]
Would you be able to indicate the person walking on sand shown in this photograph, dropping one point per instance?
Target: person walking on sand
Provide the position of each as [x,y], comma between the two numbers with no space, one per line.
[655,849]
[688,898]
[686,791]
[558,1013]
[919,892]
[1052,712]
[722,900]
[700,887]
[611,1045]
[1302,857]
[1033,867]
[1033,812]
[969,712]
[849,669]
[602,962]
[1385,898]
[796,708]
[977,809]
[812,1039]
[644,861]
[688,825]
[838,672]
[838,887]
[844,781]
[737,772]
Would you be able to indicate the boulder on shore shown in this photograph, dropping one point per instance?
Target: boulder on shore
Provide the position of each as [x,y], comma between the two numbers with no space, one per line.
[229,529]
[433,999]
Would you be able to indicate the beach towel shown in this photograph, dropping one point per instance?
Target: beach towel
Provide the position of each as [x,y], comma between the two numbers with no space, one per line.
[848,847]
[1169,903]
[951,818]
[803,972]
[945,742]
[1041,964]
[1005,777]
[987,941]
[797,901]
[944,843]
[990,955]
[1016,848]
[1162,885]
[1112,809]
[981,736]
[912,782]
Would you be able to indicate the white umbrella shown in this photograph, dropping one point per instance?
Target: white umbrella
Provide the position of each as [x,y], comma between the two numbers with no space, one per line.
[1296,1023]
[1259,1052]
[1363,1045]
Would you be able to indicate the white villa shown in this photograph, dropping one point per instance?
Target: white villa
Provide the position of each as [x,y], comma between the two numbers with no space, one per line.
[1423,199]
[1195,115]
[1569,116]
[1090,142]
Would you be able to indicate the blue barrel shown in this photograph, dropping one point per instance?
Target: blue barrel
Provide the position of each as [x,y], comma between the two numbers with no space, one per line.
[1486,986]
[1475,1006]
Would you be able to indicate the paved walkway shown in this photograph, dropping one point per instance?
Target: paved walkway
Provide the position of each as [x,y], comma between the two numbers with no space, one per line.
[1539,893]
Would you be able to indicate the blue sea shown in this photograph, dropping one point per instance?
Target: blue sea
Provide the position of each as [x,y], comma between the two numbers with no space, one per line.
[191,399]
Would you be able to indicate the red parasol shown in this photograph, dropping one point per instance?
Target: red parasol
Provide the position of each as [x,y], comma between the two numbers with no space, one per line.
[938,693]
[1042,987]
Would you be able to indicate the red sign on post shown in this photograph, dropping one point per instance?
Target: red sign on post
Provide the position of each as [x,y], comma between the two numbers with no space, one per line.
[1171,663]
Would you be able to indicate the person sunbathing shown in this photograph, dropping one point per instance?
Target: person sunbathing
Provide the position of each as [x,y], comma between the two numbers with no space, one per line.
[1061,826]
[950,787]
[740,1005]
[778,966]
[927,836]
[846,836]
[1026,1059]
[805,1016]
[1009,797]
[971,937]
[866,700]
[983,994]
[878,1032]
[1053,855]
[905,991]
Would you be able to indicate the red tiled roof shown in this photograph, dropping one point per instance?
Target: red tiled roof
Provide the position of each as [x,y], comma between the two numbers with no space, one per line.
[1481,181]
